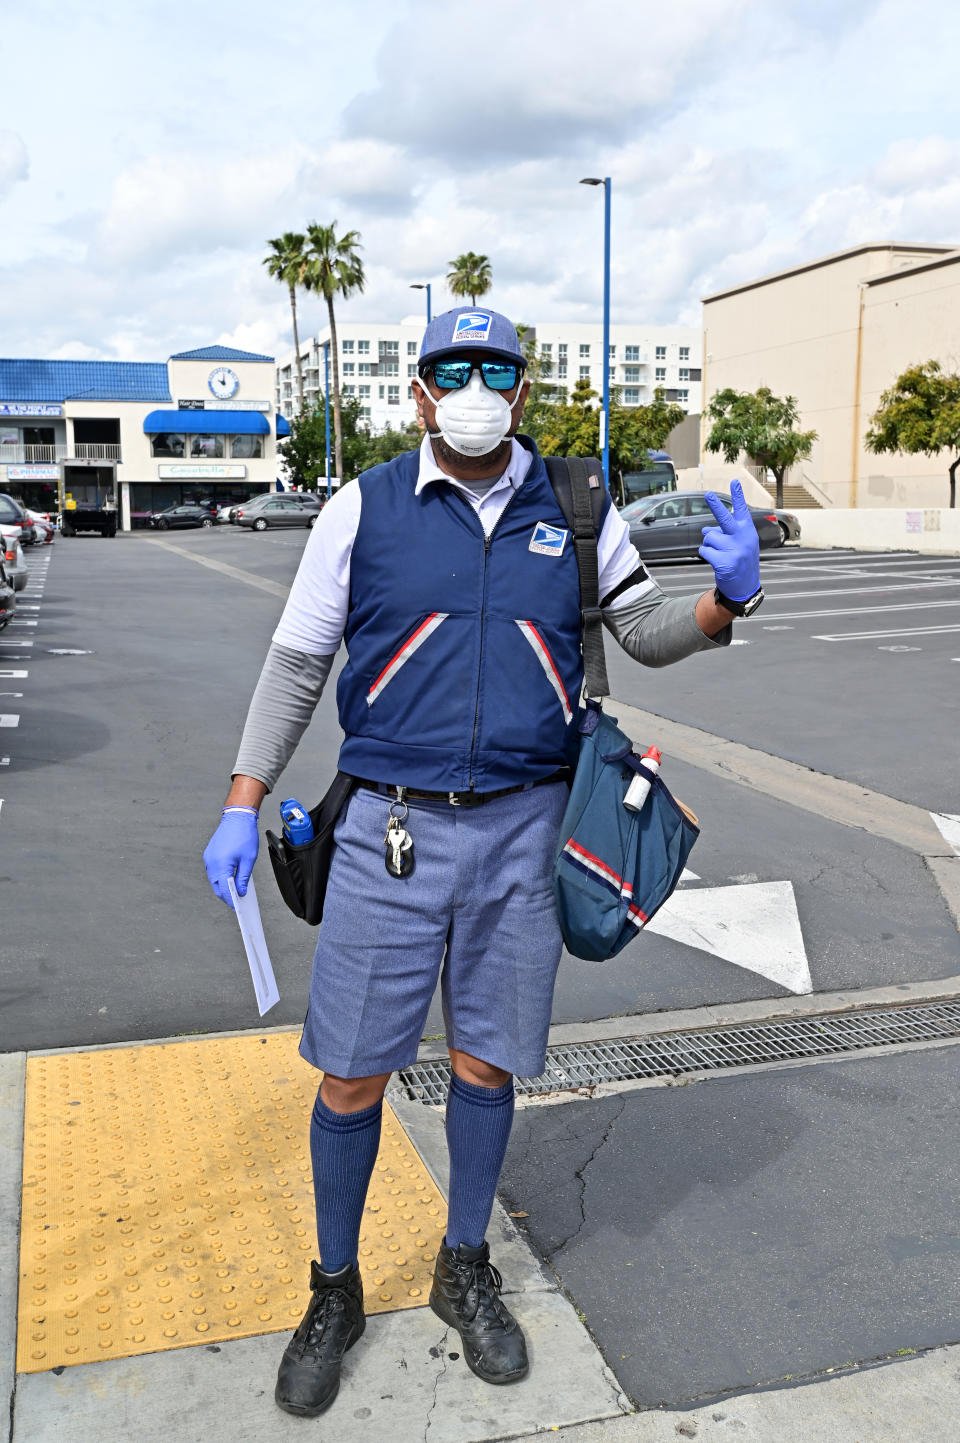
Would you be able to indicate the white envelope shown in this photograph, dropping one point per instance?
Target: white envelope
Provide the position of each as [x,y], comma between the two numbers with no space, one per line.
[251,930]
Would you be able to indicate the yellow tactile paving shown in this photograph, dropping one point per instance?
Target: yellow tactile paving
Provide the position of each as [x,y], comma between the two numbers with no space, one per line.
[167,1201]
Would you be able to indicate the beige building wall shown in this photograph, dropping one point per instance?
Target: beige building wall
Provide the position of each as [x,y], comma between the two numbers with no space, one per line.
[799,332]
[907,319]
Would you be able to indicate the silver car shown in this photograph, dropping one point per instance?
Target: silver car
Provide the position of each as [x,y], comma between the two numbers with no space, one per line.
[13,562]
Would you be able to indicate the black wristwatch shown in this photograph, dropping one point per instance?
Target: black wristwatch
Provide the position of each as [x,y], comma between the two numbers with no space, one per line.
[739,608]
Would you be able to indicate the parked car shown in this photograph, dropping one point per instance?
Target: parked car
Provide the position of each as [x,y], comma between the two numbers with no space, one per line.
[280,508]
[13,514]
[188,515]
[11,553]
[8,596]
[672,525]
[43,527]
[789,525]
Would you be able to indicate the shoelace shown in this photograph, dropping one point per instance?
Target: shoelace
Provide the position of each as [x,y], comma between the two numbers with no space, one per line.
[488,1280]
[333,1301]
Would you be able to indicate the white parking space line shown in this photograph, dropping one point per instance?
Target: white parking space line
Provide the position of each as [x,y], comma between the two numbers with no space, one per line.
[19,642]
[12,673]
[4,761]
[9,719]
[867,635]
[27,621]
[863,610]
[861,590]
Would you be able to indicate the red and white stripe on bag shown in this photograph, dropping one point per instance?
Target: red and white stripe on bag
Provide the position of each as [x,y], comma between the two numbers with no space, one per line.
[587,862]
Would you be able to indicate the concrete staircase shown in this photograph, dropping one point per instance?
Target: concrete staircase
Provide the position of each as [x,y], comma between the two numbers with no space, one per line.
[795,498]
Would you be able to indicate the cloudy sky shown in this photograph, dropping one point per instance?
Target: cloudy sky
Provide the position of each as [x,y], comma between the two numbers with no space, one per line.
[147,150]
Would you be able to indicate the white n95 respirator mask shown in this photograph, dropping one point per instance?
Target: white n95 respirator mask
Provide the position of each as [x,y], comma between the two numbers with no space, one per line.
[475,419]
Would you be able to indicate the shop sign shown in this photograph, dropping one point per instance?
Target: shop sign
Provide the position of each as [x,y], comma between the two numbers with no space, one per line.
[33,473]
[238,405]
[190,405]
[199,471]
[29,408]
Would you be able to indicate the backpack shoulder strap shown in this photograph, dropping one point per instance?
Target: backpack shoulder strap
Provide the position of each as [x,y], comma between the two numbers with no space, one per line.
[583,502]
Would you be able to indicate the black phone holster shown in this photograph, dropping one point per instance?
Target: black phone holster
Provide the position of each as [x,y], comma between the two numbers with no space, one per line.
[301,871]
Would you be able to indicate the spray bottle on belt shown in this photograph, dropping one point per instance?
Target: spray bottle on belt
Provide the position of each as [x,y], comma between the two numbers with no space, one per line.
[297,826]
[642,780]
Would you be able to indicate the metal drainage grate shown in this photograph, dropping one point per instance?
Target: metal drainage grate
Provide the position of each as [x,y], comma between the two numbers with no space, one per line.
[671,1055]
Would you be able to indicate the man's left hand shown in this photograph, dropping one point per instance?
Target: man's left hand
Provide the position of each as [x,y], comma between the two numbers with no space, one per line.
[732,547]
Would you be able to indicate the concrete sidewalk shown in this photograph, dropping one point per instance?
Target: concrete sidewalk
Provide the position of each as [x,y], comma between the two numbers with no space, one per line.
[406,1380]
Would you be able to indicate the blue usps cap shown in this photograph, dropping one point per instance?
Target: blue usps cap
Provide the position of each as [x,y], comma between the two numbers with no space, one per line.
[470,327]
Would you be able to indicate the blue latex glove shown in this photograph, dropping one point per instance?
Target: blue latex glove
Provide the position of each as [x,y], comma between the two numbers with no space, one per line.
[231,852]
[732,547]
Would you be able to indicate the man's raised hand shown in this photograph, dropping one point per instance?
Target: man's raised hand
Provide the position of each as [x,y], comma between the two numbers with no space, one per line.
[732,547]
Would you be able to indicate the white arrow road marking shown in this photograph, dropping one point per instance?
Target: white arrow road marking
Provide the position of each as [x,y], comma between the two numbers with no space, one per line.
[9,719]
[949,825]
[755,926]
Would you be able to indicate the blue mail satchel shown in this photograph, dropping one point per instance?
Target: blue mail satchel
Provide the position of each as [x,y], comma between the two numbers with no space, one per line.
[614,867]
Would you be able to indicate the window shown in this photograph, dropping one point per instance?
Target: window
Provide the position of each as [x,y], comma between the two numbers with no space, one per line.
[670,510]
[546,348]
[363,348]
[380,391]
[612,352]
[393,395]
[633,353]
[389,368]
[412,368]
[584,351]
[363,368]
[364,413]
[347,347]
[684,353]
[349,390]
[347,368]
[612,375]
[562,350]
[683,397]
[631,373]
[631,396]
[661,353]
[561,371]
[411,348]
[165,444]
[409,393]
[661,373]
[210,447]
[584,373]
[363,392]
[684,373]
[246,448]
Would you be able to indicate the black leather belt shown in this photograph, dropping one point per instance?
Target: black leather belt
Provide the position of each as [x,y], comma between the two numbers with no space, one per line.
[462,799]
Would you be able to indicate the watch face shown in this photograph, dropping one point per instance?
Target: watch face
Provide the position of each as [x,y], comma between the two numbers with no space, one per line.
[223,383]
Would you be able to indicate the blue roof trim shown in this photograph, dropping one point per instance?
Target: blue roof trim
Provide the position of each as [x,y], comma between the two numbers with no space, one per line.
[283,425]
[83,381]
[207,423]
[219,353]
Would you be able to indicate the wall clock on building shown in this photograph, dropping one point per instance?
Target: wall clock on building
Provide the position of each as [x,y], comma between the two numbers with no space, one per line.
[223,383]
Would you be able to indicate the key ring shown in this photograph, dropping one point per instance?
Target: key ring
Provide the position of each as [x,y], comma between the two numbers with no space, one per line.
[400,817]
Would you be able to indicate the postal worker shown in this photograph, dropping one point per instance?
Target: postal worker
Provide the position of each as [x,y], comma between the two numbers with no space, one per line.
[449,576]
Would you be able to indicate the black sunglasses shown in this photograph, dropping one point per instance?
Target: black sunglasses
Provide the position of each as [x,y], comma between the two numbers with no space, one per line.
[453,375]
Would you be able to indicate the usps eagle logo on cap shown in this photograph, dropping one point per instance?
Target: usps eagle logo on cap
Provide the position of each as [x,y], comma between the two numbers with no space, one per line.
[548,540]
[472,326]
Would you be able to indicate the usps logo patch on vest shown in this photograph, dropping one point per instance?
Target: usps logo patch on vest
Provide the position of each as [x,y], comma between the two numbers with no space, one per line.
[472,326]
[548,540]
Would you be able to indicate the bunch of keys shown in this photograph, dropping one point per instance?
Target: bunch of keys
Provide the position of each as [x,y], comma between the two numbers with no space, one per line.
[398,841]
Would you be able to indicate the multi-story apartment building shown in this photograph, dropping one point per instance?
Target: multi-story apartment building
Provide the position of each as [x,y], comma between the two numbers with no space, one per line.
[379,361]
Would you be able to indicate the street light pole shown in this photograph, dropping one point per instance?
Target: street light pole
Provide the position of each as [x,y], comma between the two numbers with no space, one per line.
[423,286]
[605,413]
[326,404]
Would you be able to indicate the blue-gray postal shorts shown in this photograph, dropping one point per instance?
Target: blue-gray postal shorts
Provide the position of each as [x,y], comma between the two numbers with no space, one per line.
[478,912]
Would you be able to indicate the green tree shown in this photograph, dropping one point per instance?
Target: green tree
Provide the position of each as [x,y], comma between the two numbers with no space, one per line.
[762,425]
[304,450]
[334,269]
[469,275]
[572,428]
[287,264]
[920,413]
[544,393]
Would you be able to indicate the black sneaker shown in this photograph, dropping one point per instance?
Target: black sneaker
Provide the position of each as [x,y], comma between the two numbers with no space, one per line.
[466,1294]
[309,1373]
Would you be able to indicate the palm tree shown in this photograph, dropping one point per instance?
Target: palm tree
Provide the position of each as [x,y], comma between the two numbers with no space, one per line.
[470,276]
[287,264]
[334,269]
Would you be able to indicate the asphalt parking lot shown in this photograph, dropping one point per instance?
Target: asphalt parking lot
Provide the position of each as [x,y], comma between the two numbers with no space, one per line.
[715,1234]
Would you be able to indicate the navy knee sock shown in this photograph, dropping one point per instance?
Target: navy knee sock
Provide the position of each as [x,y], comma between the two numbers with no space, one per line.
[343,1149]
[478,1128]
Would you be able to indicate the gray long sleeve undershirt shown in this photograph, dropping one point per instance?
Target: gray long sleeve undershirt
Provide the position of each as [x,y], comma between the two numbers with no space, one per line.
[653,629]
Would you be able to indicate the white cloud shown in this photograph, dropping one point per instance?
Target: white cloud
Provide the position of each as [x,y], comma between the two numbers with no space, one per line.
[14,161]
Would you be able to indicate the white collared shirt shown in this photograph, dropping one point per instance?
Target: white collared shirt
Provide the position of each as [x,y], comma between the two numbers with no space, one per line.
[315,615]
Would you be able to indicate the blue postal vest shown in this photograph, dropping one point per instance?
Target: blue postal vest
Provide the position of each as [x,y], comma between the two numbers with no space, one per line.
[464,665]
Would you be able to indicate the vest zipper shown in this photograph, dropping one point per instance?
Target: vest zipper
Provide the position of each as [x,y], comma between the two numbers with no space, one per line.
[483,603]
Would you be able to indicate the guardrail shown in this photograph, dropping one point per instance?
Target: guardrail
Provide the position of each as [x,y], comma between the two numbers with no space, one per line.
[81,451]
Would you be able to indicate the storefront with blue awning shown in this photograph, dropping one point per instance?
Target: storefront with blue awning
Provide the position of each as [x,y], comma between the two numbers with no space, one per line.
[201,426]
